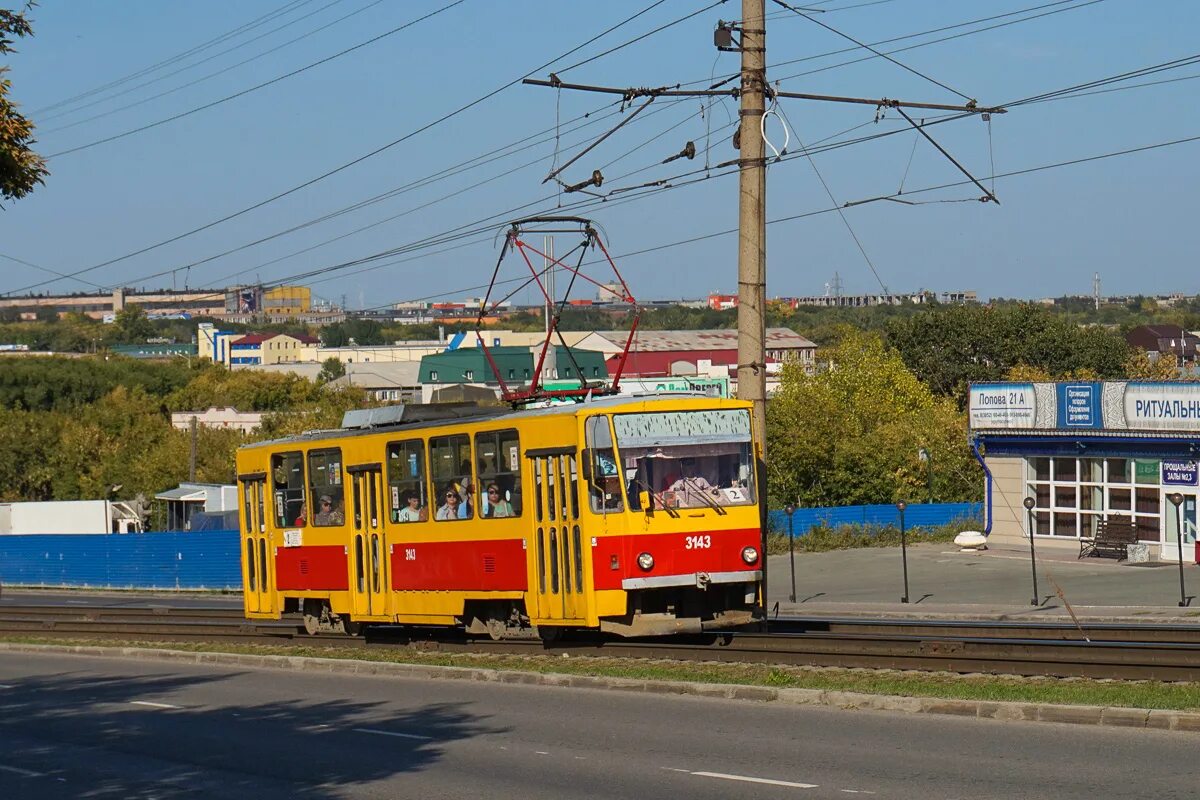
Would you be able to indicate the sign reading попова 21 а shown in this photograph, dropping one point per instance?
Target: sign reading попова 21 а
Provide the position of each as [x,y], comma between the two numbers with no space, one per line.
[1003,405]
[1114,405]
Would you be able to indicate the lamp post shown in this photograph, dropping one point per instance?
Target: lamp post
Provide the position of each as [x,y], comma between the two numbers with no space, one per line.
[790,509]
[1176,500]
[900,506]
[1029,503]
[925,455]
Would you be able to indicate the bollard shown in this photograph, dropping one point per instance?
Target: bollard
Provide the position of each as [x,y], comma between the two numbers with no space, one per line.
[1029,504]
[900,506]
[790,510]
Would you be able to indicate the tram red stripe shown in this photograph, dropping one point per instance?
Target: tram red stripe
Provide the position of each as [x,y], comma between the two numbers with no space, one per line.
[496,565]
[312,567]
[721,551]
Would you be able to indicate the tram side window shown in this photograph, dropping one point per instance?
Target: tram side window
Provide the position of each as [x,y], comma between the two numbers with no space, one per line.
[408,491]
[326,488]
[287,481]
[450,467]
[498,457]
[600,469]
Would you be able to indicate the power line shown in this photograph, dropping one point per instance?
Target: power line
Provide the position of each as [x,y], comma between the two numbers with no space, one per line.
[254,23]
[195,81]
[868,47]
[941,40]
[256,87]
[347,164]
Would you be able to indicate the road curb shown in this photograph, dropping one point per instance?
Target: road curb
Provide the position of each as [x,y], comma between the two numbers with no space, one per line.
[856,701]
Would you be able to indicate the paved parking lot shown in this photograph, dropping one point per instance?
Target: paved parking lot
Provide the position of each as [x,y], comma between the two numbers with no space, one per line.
[994,582]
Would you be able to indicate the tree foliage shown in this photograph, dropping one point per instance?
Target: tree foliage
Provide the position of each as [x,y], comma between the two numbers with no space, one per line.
[852,433]
[950,348]
[21,169]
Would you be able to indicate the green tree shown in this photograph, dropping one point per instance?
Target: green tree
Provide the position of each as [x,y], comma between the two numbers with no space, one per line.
[132,325]
[331,369]
[950,348]
[362,332]
[21,169]
[852,432]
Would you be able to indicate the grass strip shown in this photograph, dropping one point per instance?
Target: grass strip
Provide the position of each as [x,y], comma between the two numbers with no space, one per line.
[1058,691]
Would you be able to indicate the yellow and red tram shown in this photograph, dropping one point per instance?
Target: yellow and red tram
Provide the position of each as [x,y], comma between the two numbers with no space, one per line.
[634,515]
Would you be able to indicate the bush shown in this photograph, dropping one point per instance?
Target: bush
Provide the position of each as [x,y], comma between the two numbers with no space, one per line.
[822,538]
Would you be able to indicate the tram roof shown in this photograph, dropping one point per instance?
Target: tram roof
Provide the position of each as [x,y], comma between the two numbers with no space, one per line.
[486,413]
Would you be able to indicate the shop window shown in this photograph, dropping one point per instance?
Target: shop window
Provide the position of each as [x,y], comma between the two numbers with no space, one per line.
[1040,467]
[1118,470]
[1120,499]
[326,488]
[498,459]
[1064,497]
[1064,469]
[1066,525]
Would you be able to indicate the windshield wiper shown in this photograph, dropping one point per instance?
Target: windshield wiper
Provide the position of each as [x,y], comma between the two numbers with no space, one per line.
[708,501]
[652,497]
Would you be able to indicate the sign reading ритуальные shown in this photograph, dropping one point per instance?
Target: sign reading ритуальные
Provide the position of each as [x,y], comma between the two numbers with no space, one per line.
[1114,405]
[1003,405]
[1162,406]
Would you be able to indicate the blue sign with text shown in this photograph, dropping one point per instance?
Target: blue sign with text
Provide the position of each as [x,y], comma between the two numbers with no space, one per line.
[1079,405]
[1179,473]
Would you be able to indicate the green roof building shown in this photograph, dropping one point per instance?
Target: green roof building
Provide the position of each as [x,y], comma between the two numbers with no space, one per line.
[516,365]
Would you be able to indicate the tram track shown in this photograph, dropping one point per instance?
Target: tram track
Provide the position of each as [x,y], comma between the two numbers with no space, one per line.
[1110,650]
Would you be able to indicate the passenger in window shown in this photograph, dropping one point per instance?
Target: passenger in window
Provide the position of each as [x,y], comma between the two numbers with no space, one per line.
[412,512]
[450,507]
[497,506]
[327,514]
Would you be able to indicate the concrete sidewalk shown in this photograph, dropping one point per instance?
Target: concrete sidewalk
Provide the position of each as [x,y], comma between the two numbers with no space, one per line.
[991,584]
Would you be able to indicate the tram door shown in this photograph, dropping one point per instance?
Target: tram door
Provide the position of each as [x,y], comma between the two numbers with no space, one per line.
[257,576]
[558,539]
[368,548]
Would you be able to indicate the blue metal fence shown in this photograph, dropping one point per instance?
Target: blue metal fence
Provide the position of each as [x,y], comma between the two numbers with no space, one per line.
[166,560]
[917,515]
[211,559]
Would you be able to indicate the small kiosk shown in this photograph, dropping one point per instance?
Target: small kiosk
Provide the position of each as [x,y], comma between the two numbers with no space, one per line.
[1087,450]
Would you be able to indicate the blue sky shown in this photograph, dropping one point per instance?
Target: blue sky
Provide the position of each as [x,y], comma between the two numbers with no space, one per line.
[1131,219]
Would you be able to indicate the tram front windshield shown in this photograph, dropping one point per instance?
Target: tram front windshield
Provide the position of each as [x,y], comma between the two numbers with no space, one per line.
[687,459]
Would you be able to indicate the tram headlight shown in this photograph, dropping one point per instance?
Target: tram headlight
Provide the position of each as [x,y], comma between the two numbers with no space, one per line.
[750,554]
[645,561]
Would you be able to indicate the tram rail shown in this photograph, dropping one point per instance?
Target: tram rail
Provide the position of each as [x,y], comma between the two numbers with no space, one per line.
[1111,650]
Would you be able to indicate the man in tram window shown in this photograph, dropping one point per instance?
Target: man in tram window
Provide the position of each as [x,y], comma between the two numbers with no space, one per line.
[328,515]
[690,489]
[412,511]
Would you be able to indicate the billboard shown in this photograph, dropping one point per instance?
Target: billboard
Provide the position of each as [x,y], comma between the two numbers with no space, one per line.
[1095,405]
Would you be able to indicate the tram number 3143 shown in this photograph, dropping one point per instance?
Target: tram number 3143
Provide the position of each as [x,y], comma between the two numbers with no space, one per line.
[697,543]
[410,554]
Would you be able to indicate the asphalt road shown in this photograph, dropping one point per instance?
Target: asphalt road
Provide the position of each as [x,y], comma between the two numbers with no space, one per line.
[77,726]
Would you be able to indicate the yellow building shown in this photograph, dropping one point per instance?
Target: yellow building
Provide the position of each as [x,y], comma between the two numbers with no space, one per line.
[287,300]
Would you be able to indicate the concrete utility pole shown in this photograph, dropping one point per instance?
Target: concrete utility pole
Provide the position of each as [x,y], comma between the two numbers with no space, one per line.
[192,450]
[752,218]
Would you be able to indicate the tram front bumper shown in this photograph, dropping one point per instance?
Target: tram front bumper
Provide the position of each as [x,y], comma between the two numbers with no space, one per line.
[700,580]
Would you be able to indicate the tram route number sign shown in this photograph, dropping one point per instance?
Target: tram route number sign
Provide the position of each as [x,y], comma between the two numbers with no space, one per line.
[1179,473]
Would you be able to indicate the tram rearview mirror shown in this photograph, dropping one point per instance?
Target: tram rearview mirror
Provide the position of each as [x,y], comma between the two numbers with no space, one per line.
[644,501]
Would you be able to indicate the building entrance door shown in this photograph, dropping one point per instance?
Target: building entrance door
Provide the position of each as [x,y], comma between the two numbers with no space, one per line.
[1186,520]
